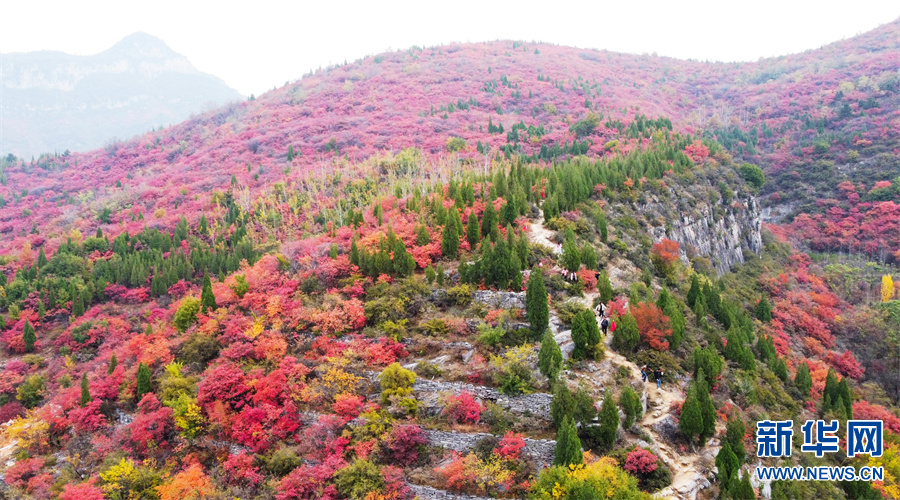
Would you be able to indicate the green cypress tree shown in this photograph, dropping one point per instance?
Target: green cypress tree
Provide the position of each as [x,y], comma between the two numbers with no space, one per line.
[77,305]
[562,406]
[844,391]
[549,357]
[450,237]
[207,298]
[508,213]
[585,334]
[735,430]
[626,337]
[764,310]
[604,287]
[113,363]
[728,465]
[589,257]
[694,291]
[744,490]
[707,408]
[691,422]
[430,275]
[830,394]
[354,250]
[568,446]
[604,230]
[143,382]
[537,310]
[28,336]
[631,406]
[42,258]
[41,310]
[609,420]
[85,391]
[473,232]
[571,257]
[404,264]
[488,219]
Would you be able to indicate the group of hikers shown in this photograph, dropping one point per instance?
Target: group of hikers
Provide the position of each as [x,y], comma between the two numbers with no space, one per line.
[657,375]
[607,324]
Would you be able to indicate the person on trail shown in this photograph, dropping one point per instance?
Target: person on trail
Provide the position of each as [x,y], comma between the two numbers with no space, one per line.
[604,325]
[598,311]
[658,374]
[644,374]
[612,325]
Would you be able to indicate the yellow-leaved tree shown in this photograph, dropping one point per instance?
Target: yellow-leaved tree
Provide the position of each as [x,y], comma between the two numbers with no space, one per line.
[887,288]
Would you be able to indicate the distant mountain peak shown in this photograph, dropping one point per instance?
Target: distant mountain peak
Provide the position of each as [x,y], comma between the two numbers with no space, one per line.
[141,44]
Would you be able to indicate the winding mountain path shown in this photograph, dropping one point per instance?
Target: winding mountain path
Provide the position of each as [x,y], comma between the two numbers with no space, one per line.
[688,475]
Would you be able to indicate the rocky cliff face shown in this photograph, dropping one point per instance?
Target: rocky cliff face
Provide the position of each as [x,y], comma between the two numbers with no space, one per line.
[723,239]
[710,213]
[55,101]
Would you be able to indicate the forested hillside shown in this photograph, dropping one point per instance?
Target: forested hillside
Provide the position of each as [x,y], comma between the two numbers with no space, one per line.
[380,281]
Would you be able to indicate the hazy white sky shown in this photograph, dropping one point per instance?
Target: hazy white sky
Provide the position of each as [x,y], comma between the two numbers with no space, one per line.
[257,45]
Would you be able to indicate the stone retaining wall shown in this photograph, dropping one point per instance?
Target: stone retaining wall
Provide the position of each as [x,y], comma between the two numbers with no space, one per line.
[429,493]
[537,404]
[539,450]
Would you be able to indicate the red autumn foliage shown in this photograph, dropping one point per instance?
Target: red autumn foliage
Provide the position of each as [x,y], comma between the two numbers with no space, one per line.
[462,408]
[240,470]
[18,474]
[403,445]
[864,410]
[510,446]
[81,491]
[153,427]
[846,364]
[653,325]
[640,461]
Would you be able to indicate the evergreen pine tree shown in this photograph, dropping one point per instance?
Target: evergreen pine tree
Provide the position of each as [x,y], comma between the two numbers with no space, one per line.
[143,382]
[728,465]
[626,337]
[744,490]
[691,422]
[354,250]
[589,257]
[571,257]
[207,299]
[631,406]
[568,446]
[707,408]
[488,219]
[764,310]
[562,405]
[604,287]
[694,291]
[77,305]
[735,430]
[28,336]
[537,309]
[42,258]
[473,232]
[604,230]
[549,357]
[450,237]
[585,334]
[844,391]
[85,391]
[113,363]
[609,420]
